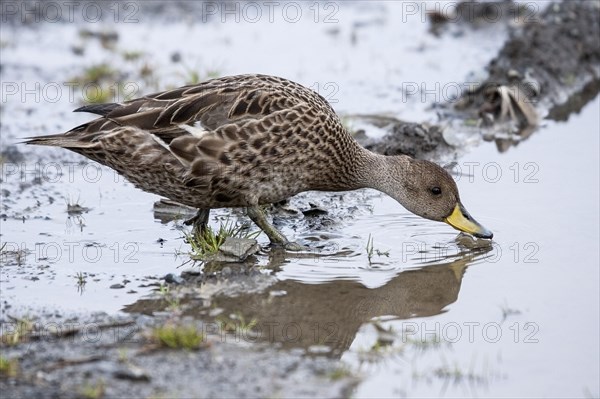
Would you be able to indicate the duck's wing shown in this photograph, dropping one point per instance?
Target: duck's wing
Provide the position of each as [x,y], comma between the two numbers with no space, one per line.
[219,122]
[193,110]
[205,107]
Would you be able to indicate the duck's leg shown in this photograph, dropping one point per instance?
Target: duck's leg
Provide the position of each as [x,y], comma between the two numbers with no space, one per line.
[199,222]
[259,218]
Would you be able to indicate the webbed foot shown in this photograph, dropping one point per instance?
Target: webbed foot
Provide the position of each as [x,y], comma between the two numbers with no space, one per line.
[258,216]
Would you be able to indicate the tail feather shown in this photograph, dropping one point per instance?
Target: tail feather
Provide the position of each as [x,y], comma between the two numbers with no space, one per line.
[98,109]
[81,136]
[58,140]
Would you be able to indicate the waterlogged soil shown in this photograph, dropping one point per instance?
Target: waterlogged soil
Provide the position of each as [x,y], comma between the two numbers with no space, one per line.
[117,357]
[384,304]
[550,59]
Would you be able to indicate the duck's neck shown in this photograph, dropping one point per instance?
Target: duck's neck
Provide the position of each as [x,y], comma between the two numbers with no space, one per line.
[382,172]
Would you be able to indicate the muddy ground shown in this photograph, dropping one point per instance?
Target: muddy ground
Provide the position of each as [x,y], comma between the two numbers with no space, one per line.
[104,356]
[552,60]
[115,358]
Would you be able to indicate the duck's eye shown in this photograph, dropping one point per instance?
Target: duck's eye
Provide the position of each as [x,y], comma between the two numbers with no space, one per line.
[436,191]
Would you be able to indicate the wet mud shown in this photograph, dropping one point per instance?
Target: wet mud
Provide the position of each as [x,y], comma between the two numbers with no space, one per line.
[548,68]
[553,61]
[421,141]
[105,357]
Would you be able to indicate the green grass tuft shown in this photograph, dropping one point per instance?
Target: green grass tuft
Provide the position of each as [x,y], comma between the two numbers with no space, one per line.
[132,55]
[371,250]
[178,337]
[208,242]
[22,329]
[93,391]
[170,298]
[97,73]
[237,323]
[8,367]
[81,279]
[339,373]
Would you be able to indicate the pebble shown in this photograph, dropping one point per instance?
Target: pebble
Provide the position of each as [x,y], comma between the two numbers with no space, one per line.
[236,250]
[131,373]
[117,286]
[172,278]
[277,293]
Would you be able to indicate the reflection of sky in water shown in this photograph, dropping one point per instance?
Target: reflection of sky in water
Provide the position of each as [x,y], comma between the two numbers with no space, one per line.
[545,268]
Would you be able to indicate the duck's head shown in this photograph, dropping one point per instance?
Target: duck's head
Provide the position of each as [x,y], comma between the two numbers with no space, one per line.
[427,190]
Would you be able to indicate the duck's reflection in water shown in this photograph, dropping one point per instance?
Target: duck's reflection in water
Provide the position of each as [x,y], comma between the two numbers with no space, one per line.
[293,314]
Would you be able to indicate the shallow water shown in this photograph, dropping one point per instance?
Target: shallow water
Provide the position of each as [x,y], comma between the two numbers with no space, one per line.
[517,317]
[537,295]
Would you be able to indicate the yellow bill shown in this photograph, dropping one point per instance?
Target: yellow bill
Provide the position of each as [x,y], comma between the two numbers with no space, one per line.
[461,220]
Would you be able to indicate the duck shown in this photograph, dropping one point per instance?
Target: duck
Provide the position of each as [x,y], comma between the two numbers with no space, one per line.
[245,141]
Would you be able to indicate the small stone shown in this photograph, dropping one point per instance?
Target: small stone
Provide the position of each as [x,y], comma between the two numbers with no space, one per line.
[131,373]
[513,74]
[236,250]
[215,312]
[173,279]
[314,211]
[117,286]
[277,293]
[318,349]
[176,56]
[191,272]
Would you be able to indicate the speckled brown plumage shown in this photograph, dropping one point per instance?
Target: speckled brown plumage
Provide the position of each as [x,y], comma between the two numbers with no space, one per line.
[243,141]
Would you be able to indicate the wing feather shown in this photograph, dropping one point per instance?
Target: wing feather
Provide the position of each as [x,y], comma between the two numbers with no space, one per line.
[207,128]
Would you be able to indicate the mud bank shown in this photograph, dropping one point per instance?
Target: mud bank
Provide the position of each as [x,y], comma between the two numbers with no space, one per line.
[421,141]
[97,355]
[554,57]
[101,356]
[549,67]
